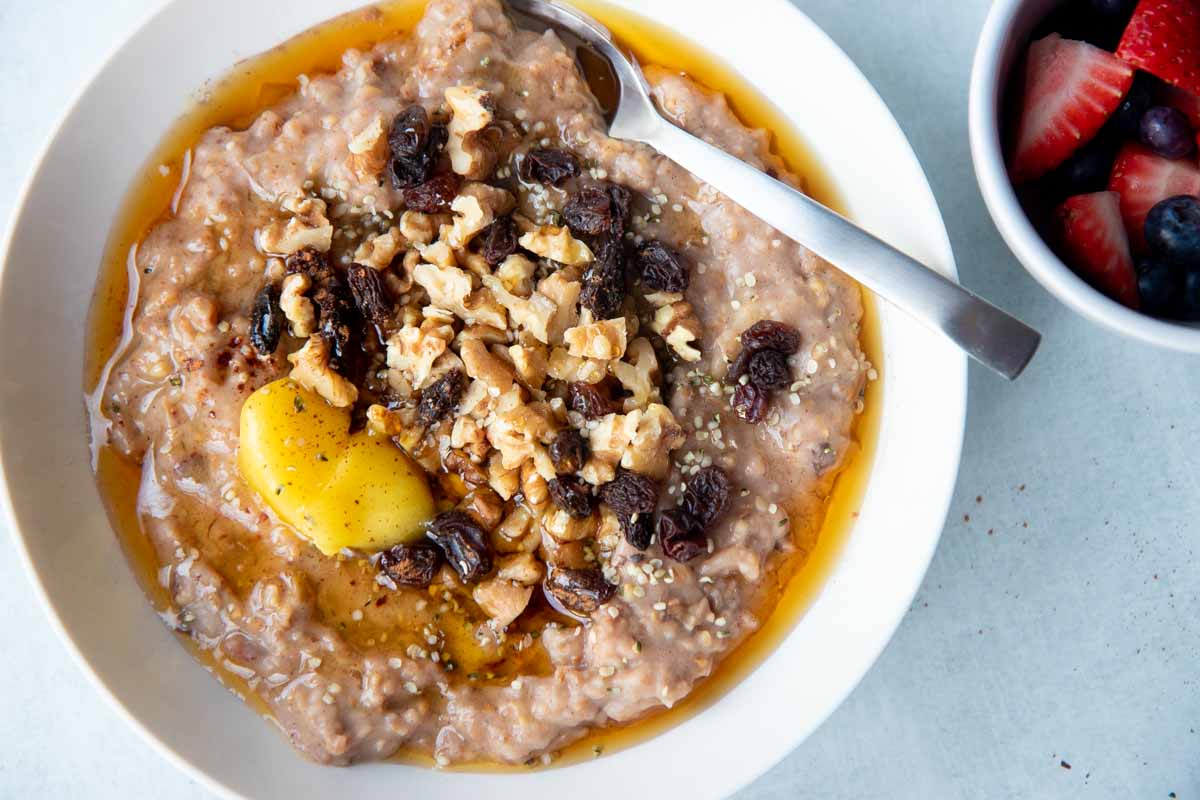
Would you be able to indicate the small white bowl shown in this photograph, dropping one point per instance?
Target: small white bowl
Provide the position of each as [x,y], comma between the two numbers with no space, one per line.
[1001,46]
[49,502]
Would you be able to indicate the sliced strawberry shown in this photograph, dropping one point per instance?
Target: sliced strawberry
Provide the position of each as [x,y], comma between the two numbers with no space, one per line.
[1163,38]
[1186,102]
[1092,240]
[1143,179]
[1071,88]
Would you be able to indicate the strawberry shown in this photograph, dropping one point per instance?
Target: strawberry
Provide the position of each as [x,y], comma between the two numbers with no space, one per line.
[1163,38]
[1142,179]
[1092,240]
[1186,102]
[1071,88]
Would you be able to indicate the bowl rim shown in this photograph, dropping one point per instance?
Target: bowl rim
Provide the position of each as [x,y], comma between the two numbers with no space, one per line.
[886,626]
[1009,217]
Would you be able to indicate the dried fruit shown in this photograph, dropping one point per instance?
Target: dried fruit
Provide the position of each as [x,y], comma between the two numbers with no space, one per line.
[739,366]
[548,165]
[604,280]
[266,321]
[633,498]
[707,495]
[411,564]
[768,334]
[433,195]
[578,591]
[568,451]
[441,397]
[369,295]
[336,315]
[769,370]
[463,543]
[498,241]
[589,399]
[750,403]
[662,269]
[311,262]
[414,144]
[680,535]
[572,495]
[597,210]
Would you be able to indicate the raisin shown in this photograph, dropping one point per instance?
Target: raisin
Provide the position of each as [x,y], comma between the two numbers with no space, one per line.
[336,316]
[604,280]
[548,165]
[463,543]
[441,397]
[662,269]
[739,366]
[597,210]
[433,195]
[568,451]
[769,369]
[588,399]
[411,564]
[768,334]
[498,241]
[578,591]
[750,403]
[632,497]
[572,495]
[414,145]
[369,295]
[311,262]
[266,322]
[707,495]
[680,535]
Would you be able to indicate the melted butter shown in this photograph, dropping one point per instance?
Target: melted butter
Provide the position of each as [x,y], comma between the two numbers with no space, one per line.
[263,80]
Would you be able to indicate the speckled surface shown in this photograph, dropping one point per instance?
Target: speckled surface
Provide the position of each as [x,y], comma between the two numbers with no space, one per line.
[1059,623]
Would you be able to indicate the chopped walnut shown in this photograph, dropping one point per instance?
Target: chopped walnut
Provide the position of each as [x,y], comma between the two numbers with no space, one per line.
[502,600]
[418,228]
[412,350]
[476,207]
[657,434]
[296,307]
[638,373]
[533,313]
[565,528]
[399,423]
[522,568]
[379,250]
[534,486]
[310,369]
[307,227]
[520,435]
[439,254]
[368,151]
[562,287]
[483,308]
[529,359]
[469,152]
[660,299]
[466,432]
[516,274]
[447,287]
[562,366]
[484,506]
[557,244]
[505,481]
[603,340]
[481,364]
[677,324]
[608,442]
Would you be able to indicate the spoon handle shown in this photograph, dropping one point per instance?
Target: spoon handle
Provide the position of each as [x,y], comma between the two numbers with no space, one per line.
[989,335]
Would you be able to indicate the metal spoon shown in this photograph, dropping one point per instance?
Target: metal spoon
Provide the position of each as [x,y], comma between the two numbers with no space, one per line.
[987,334]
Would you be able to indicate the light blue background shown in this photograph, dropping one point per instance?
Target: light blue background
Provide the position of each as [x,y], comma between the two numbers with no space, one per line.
[1057,623]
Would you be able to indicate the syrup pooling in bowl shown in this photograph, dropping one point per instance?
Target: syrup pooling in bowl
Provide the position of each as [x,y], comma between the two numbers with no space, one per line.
[816,543]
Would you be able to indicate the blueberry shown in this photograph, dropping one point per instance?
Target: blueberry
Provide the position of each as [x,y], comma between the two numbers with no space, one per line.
[1166,131]
[1173,230]
[1098,22]
[1087,170]
[1127,119]
[1189,298]
[1158,287]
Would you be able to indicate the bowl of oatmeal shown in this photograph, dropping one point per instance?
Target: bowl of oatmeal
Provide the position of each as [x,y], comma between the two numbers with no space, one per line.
[450,434]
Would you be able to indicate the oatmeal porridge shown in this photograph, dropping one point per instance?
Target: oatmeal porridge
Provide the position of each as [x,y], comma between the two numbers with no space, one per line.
[456,427]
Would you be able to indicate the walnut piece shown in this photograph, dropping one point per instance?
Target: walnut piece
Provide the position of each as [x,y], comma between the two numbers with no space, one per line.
[482,365]
[677,324]
[399,423]
[307,227]
[412,350]
[530,362]
[604,340]
[649,450]
[557,244]
[418,228]
[638,374]
[562,287]
[476,207]
[368,151]
[378,251]
[502,600]
[562,366]
[296,307]
[522,568]
[504,481]
[533,313]
[310,369]
[516,274]
[470,154]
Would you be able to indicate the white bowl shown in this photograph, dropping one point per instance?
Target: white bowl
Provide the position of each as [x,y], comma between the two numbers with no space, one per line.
[77,566]
[1001,46]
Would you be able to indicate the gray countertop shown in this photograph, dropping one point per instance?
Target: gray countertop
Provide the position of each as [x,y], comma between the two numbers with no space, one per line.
[1052,650]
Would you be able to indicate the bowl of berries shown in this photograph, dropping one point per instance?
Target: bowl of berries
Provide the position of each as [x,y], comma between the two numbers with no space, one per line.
[1085,126]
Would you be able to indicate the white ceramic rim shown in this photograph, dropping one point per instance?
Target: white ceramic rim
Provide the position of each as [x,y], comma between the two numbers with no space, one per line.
[872,634]
[987,79]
